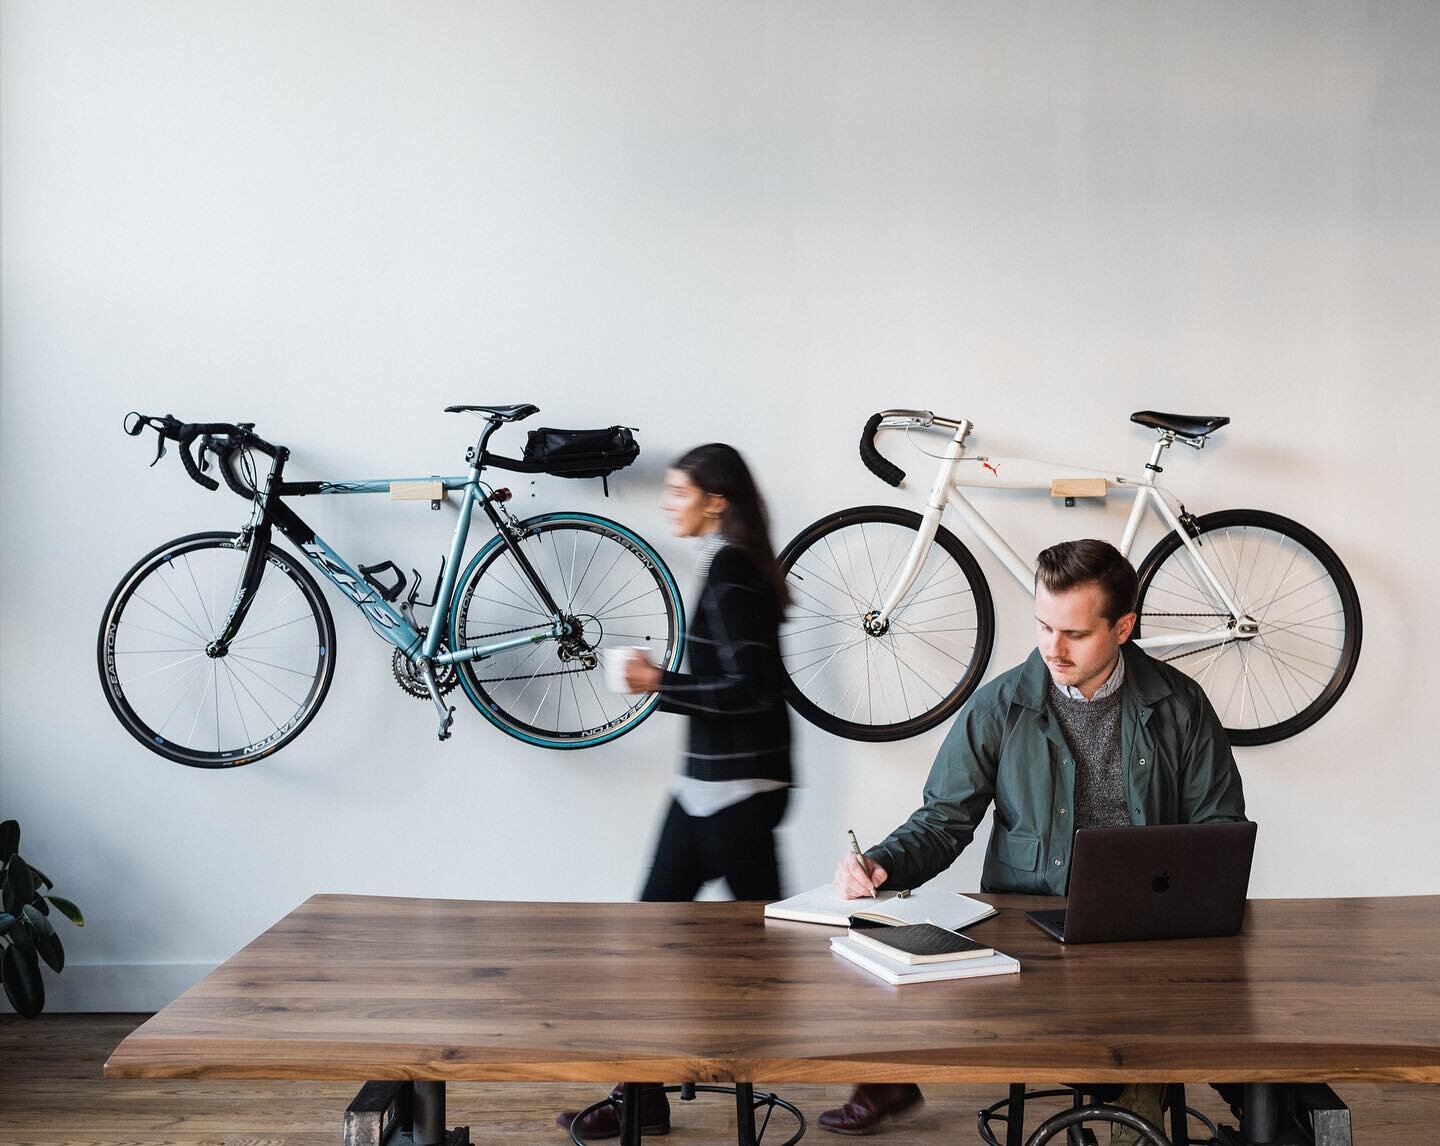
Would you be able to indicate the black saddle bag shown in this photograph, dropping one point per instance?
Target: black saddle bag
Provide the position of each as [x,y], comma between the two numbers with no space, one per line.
[581,453]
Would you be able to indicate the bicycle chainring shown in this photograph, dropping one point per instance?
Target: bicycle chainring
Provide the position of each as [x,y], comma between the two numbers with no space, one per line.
[407,676]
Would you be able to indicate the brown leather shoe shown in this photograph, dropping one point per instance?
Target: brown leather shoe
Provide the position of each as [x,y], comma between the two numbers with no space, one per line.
[870,1105]
[605,1122]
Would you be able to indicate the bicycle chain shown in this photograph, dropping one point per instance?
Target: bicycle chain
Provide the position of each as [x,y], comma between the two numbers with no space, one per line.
[528,676]
[1203,648]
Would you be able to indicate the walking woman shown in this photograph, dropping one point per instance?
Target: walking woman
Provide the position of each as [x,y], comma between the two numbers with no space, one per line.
[734,783]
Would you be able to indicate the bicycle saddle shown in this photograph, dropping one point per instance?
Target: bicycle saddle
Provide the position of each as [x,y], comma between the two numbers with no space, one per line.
[504,413]
[1183,425]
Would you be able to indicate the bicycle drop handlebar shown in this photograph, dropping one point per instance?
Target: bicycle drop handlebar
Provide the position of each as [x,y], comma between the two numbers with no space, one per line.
[881,466]
[223,439]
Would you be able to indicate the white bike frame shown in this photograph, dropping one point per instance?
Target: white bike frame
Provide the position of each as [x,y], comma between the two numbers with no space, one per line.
[956,470]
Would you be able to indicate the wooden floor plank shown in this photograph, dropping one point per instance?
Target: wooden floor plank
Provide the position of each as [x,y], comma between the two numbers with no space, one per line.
[52,1094]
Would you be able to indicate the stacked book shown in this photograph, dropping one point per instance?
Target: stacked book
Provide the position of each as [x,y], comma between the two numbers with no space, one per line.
[920,953]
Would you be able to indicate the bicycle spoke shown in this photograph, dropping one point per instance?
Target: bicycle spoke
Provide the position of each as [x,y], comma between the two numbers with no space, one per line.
[163,668]
[188,628]
[272,664]
[239,711]
[270,684]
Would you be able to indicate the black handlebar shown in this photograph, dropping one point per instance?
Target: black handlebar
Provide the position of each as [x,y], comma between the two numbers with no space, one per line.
[885,470]
[226,440]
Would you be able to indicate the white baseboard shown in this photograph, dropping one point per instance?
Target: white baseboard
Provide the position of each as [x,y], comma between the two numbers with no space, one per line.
[116,986]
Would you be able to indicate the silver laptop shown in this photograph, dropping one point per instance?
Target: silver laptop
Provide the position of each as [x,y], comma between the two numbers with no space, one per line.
[1166,881]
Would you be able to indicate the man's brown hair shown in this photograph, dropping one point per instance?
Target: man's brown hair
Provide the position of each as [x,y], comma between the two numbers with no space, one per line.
[1074,563]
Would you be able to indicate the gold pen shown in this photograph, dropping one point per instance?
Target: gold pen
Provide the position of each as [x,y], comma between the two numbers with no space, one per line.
[864,863]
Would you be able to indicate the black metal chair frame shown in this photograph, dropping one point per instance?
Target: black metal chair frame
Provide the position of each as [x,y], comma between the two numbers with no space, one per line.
[747,1102]
[1071,1121]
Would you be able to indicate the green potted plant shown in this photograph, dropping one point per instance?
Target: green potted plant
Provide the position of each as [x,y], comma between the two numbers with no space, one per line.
[26,935]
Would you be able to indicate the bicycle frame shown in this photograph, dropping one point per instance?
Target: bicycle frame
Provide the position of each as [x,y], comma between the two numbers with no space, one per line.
[388,621]
[957,471]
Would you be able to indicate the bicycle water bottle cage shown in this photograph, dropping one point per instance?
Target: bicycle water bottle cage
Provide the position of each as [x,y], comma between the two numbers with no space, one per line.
[389,592]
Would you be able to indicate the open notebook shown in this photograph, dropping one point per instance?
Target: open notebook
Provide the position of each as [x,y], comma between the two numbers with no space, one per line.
[935,905]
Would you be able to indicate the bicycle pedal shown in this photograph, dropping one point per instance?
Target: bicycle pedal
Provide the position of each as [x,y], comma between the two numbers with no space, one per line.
[445,722]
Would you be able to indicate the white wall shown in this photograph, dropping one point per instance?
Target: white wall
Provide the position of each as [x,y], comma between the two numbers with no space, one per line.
[749,221]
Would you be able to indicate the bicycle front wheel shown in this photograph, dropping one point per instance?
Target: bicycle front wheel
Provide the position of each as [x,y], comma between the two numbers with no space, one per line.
[187,703]
[889,685]
[613,591]
[1280,665]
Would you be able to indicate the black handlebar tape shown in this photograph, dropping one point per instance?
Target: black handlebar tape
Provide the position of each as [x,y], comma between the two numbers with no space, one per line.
[186,440]
[886,471]
[225,455]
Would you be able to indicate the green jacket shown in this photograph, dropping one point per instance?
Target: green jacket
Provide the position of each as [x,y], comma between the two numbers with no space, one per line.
[1007,747]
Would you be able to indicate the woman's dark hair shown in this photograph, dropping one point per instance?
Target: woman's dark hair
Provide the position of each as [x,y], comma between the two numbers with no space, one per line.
[1074,563]
[719,469]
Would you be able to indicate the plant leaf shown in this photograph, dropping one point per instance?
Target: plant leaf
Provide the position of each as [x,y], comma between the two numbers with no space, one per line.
[21,936]
[17,879]
[47,943]
[67,909]
[40,877]
[7,921]
[9,839]
[23,986]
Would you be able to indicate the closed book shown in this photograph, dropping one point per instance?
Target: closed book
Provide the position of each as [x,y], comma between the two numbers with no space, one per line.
[891,909]
[917,943]
[897,973]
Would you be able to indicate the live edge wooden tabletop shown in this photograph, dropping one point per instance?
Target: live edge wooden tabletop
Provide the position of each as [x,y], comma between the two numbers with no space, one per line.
[359,987]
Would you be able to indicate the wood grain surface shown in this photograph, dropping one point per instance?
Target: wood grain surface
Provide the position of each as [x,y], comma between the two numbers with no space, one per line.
[354,987]
[52,1094]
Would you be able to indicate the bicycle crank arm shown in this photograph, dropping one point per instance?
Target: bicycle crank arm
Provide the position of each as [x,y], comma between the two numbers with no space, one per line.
[447,712]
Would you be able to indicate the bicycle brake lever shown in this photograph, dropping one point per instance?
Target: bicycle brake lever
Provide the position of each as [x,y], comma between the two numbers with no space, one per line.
[159,448]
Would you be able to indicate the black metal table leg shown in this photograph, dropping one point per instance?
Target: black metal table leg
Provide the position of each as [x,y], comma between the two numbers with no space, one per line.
[1015,1115]
[630,1114]
[1260,1120]
[745,1113]
[401,1114]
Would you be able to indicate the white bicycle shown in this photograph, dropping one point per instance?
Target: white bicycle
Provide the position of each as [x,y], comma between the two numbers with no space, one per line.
[891,622]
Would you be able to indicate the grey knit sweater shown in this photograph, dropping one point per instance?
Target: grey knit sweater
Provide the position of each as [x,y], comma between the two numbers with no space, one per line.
[1092,729]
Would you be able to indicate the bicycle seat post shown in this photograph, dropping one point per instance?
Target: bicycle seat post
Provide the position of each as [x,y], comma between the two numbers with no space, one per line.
[477,458]
[1165,440]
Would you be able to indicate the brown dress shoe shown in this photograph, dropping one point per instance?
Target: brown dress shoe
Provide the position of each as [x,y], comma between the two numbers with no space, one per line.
[605,1121]
[870,1105]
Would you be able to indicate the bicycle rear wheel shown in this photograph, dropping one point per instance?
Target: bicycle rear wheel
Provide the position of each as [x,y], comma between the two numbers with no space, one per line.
[214,711]
[1291,585]
[614,591]
[916,674]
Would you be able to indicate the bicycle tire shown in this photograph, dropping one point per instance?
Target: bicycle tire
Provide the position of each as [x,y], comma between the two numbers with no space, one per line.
[1238,538]
[818,703]
[496,685]
[130,613]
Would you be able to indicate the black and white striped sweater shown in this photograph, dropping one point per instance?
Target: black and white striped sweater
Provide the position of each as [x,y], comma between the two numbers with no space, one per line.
[731,687]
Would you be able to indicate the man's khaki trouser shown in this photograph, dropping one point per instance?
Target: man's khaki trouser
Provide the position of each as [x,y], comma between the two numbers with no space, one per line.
[1145,1099]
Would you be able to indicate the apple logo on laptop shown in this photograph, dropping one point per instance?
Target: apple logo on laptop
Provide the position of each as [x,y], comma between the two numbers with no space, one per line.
[1161,882]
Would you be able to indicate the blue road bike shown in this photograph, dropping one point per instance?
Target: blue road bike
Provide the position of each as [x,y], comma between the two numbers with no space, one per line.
[217,649]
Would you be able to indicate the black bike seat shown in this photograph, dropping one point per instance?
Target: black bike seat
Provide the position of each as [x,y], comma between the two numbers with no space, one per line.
[504,413]
[1183,425]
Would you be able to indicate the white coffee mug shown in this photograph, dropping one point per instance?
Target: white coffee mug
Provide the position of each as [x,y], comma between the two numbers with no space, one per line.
[615,660]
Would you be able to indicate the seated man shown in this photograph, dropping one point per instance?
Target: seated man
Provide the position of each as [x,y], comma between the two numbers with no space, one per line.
[1088,732]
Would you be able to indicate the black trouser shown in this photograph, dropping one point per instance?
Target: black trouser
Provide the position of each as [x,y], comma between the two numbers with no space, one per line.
[736,844]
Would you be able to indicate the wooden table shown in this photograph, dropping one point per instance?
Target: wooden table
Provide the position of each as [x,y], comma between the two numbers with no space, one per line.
[367,988]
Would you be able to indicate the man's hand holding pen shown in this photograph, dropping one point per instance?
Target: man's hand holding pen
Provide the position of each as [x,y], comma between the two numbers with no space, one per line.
[852,880]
